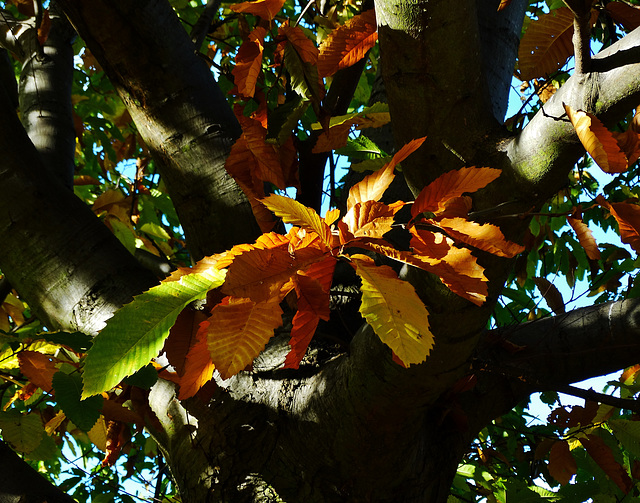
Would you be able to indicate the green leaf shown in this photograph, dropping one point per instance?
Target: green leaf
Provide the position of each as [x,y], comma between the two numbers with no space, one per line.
[137,332]
[23,432]
[304,76]
[68,389]
[77,341]
[284,120]
[361,148]
[143,378]
[628,433]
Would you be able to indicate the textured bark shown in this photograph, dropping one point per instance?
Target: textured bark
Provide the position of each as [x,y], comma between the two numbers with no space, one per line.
[179,110]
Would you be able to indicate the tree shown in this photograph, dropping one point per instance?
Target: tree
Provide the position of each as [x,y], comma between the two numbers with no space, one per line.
[407,335]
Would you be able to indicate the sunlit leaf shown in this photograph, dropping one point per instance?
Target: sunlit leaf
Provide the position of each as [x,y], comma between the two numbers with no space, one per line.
[198,367]
[136,333]
[598,141]
[394,311]
[266,9]
[503,4]
[452,184]
[303,45]
[371,219]
[486,237]
[628,217]
[585,237]
[38,368]
[238,330]
[348,44]
[292,212]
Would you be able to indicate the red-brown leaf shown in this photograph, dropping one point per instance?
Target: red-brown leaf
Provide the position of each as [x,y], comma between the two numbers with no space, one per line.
[603,456]
[198,367]
[551,294]
[625,14]
[249,62]
[628,217]
[38,368]
[585,237]
[303,45]
[562,465]
[266,9]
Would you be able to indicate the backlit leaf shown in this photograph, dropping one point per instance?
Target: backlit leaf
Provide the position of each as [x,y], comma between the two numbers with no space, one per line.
[249,62]
[562,465]
[266,9]
[628,217]
[259,271]
[598,141]
[551,294]
[585,237]
[198,367]
[304,75]
[503,4]
[546,45]
[486,237]
[292,212]
[625,14]
[629,143]
[452,184]
[371,187]
[371,219]
[394,311]
[348,44]
[136,333]
[603,456]
[238,330]
[182,337]
[313,306]
[82,413]
[23,432]
[38,368]
[303,45]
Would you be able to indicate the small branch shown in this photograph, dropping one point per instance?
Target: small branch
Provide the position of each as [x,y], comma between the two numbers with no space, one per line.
[590,394]
[201,28]
[581,33]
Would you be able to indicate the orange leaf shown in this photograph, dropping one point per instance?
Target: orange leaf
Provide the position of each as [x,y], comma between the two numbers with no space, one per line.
[452,184]
[629,143]
[249,62]
[373,186]
[348,44]
[114,411]
[486,237]
[547,44]
[238,331]
[628,217]
[198,367]
[336,137]
[331,216]
[503,4]
[603,456]
[182,336]
[292,212]
[117,435]
[313,305]
[585,237]
[303,45]
[44,28]
[266,9]
[38,368]
[562,465]
[259,271]
[371,219]
[551,294]
[598,141]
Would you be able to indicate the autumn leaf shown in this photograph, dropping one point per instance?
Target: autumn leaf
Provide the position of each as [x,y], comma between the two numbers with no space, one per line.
[182,337]
[259,271]
[551,294]
[562,465]
[198,367]
[629,143]
[585,238]
[303,45]
[452,184]
[394,311]
[371,219]
[38,368]
[625,14]
[348,44]
[601,453]
[628,217]
[598,141]
[304,76]
[266,9]
[238,330]
[292,212]
[44,28]
[547,44]
[503,4]
[485,237]
[312,306]
[249,62]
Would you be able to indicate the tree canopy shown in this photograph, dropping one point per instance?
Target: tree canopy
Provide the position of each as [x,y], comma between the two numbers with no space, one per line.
[327,251]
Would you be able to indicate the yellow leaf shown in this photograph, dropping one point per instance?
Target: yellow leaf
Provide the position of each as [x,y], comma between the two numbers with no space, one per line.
[98,434]
[598,141]
[348,44]
[292,212]
[486,237]
[331,216]
[434,196]
[238,330]
[394,311]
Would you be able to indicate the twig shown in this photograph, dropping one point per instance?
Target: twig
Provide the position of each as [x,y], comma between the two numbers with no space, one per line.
[201,28]
[589,394]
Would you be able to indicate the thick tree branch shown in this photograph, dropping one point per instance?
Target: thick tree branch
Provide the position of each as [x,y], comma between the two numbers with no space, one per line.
[179,110]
